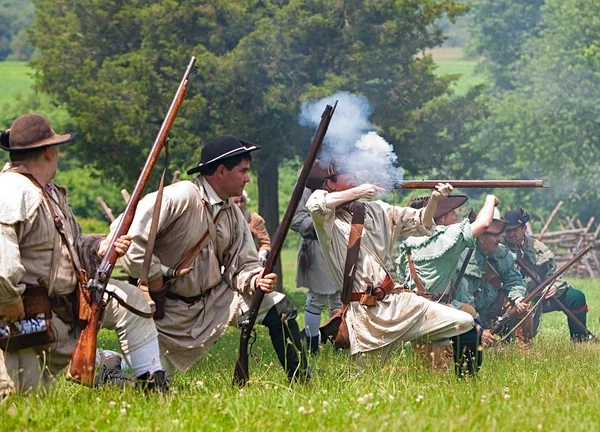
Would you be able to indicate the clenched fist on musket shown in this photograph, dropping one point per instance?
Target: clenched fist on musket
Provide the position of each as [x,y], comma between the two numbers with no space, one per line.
[121,246]
[12,312]
[266,283]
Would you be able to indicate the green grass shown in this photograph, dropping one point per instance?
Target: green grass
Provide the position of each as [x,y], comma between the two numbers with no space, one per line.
[466,68]
[15,79]
[555,386]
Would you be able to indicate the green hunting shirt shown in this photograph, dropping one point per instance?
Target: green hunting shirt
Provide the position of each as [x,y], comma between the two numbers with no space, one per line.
[436,258]
[474,290]
[540,260]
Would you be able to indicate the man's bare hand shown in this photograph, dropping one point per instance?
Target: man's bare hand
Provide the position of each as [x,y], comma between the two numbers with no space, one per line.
[494,198]
[441,190]
[521,306]
[121,246]
[12,312]
[549,292]
[368,190]
[267,283]
[487,338]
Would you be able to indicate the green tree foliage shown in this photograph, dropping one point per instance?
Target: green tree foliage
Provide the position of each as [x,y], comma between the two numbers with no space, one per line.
[499,29]
[15,17]
[116,63]
[548,125]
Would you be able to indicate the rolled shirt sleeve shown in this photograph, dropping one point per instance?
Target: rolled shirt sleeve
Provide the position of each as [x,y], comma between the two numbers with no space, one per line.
[11,269]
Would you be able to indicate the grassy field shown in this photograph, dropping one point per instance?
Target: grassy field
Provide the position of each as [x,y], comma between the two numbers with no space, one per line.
[16,79]
[555,386]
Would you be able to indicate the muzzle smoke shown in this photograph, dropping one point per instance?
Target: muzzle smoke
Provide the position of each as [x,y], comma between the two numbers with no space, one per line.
[352,142]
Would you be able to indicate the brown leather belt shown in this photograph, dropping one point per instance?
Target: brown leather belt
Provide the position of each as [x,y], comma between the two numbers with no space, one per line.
[386,288]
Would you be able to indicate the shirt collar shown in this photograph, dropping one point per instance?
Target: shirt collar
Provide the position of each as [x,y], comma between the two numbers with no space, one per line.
[213,197]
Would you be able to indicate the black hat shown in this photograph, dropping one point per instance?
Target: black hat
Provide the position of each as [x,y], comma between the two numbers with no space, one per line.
[516,218]
[445,206]
[221,148]
[30,132]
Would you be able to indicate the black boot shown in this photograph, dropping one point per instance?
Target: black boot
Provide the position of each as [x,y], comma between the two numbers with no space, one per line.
[155,382]
[313,344]
[468,355]
[110,373]
[577,333]
[287,342]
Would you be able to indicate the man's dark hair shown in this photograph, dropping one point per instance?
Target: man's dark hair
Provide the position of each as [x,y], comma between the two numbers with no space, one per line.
[229,163]
[22,156]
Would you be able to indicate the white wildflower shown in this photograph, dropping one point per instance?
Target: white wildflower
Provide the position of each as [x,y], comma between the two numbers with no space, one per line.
[123,411]
[112,404]
[199,384]
[419,398]
[301,410]
[506,397]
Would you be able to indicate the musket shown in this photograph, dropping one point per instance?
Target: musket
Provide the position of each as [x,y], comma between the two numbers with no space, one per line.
[83,361]
[241,373]
[469,184]
[511,312]
[536,279]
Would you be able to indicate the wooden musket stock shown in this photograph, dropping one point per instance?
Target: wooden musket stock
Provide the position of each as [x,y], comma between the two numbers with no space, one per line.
[501,321]
[82,365]
[241,373]
[470,184]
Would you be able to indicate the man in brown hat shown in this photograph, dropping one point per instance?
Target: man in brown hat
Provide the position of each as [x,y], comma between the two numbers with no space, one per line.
[536,256]
[195,307]
[491,280]
[356,238]
[43,250]
[261,237]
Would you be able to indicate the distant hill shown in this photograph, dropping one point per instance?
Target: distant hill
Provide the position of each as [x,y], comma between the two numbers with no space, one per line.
[15,17]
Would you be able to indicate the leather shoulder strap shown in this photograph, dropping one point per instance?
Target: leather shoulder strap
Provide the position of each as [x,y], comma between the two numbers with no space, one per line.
[491,276]
[59,224]
[413,274]
[190,257]
[358,220]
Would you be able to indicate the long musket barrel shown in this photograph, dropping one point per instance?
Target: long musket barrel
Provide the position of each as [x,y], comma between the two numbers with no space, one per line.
[500,322]
[470,184]
[241,373]
[82,365]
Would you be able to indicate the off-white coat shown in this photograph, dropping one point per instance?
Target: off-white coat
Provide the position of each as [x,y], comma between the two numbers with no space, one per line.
[399,317]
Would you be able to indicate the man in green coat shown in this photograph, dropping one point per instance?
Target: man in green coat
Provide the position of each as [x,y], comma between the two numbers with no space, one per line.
[491,279]
[429,264]
[537,257]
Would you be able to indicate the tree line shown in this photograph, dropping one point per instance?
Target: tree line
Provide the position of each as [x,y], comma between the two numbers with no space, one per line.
[115,64]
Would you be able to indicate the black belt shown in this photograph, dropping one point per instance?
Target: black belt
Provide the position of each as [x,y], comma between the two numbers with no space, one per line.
[311,236]
[188,300]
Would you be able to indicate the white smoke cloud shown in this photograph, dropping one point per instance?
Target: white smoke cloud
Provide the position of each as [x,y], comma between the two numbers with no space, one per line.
[351,140]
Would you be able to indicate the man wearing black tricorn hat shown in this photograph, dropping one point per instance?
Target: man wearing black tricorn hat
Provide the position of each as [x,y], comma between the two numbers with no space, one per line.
[42,250]
[538,258]
[195,306]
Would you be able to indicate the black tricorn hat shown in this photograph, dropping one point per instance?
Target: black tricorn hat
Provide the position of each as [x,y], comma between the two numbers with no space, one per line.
[445,206]
[516,218]
[220,148]
[30,132]
[497,226]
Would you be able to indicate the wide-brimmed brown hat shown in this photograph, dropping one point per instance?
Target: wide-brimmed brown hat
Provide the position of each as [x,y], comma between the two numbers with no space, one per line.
[497,226]
[30,132]
[320,172]
[445,206]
